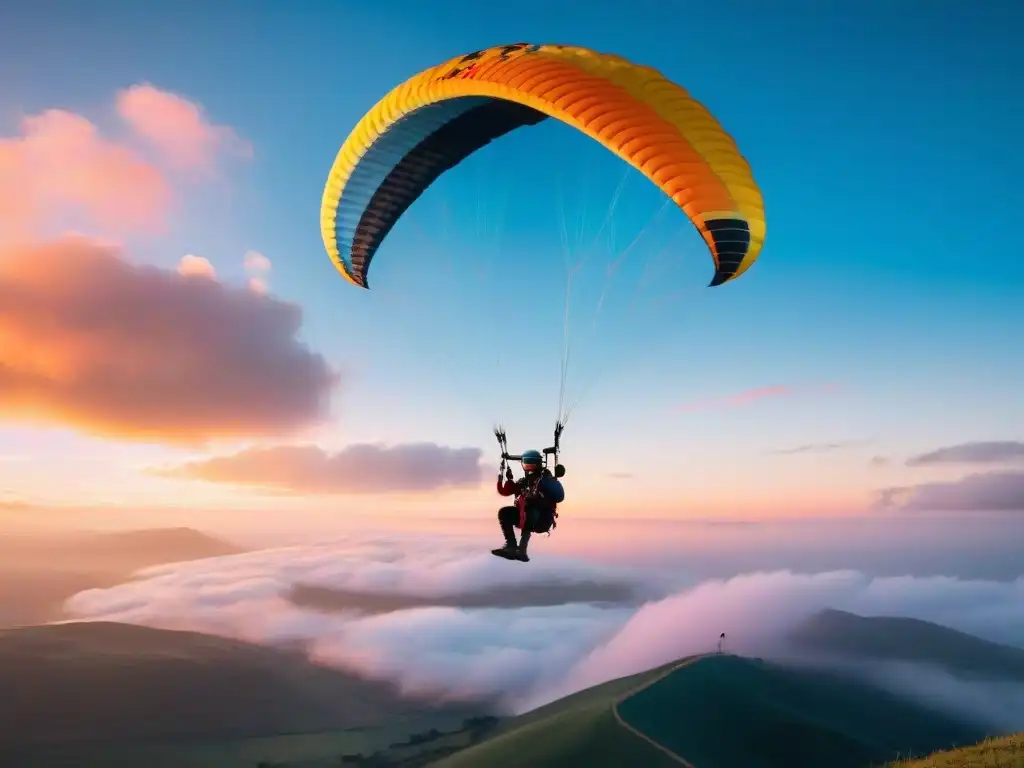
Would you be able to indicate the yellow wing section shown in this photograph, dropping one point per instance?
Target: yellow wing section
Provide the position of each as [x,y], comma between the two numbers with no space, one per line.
[438,117]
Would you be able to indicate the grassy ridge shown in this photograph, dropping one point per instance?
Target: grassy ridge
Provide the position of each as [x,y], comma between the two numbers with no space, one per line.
[1005,752]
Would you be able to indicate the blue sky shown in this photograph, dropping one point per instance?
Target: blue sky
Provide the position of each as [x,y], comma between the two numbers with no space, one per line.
[885,142]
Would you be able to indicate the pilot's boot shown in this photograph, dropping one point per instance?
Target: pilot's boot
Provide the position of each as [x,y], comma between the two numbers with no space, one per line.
[524,542]
[509,550]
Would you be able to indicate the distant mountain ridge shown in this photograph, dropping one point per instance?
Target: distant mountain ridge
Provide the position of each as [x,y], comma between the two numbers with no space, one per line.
[39,571]
[908,640]
[155,544]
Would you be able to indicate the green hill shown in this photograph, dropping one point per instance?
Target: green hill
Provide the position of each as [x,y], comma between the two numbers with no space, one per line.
[912,640]
[104,682]
[582,729]
[1005,752]
[720,712]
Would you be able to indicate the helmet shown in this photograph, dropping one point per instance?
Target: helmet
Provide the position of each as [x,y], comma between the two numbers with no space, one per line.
[532,461]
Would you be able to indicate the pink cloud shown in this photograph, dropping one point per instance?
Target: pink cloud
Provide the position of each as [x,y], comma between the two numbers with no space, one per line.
[60,166]
[257,265]
[256,262]
[364,468]
[196,265]
[749,397]
[178,128]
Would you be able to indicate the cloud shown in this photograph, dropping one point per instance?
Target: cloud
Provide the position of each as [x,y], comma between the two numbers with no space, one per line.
[750,396]
[879,461]
[502,596]
[257,265]
[196,265]
[59,171]
[982,452]
[256,262]
[94,342]
[979,492]
[819,447]
[448,639]
[178,128]
[60,166]
[412,467]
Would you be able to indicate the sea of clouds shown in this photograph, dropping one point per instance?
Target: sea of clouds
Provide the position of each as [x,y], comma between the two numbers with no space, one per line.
[457,623]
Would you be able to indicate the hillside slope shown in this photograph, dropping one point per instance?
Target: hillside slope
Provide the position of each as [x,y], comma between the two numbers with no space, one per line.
[581,729]
[720,712]
[730,711]
[911,640]
[1005,752]
[104,681]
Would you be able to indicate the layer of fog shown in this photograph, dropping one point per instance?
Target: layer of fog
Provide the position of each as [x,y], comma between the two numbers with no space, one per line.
[967,546]
[614,621]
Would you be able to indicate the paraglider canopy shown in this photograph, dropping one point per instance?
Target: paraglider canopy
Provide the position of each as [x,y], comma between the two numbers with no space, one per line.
[439,117]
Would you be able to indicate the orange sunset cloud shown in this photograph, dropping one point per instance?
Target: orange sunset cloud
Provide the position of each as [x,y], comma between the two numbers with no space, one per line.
[136,352]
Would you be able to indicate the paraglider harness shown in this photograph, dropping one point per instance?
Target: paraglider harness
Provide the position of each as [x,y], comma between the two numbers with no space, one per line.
[529,489]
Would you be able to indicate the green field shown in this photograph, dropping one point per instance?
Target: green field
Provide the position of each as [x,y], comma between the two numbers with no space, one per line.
[295,750]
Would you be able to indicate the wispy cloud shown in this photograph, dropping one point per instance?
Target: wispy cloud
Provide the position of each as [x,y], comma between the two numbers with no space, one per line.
[751,396]
[412,467]
[819,447]
[978,452]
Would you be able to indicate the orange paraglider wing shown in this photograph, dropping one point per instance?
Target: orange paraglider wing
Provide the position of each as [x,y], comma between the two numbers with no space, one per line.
[437,118]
